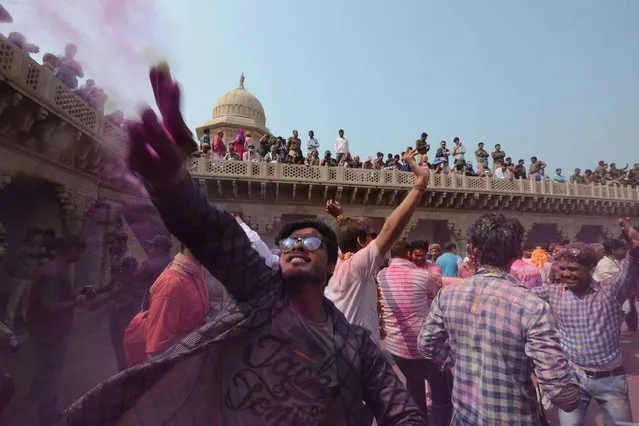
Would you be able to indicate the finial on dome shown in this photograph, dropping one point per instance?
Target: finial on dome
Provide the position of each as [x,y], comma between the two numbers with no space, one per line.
[242,81]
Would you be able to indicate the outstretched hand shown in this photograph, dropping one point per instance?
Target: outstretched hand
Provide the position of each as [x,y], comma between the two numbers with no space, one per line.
[422,174]
[334,208]
[629,232]
[158,151]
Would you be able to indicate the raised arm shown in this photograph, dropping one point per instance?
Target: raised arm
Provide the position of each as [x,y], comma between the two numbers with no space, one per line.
[623,284]
[399,218]
[158,153]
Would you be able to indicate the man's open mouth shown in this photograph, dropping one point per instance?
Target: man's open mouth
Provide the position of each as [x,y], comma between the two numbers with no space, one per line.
[298,259]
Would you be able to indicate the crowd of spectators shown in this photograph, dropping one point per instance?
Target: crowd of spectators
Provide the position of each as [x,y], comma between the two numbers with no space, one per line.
[276,149]
[65,68]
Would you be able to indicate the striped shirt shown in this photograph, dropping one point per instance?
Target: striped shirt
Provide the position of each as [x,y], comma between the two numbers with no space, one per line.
[497,333]
[407,292]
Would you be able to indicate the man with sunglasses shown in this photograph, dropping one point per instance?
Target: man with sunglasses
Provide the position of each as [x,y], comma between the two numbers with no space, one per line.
[590,326]
[278,352]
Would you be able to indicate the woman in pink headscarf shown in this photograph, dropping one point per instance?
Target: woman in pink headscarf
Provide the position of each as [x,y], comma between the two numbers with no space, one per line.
[238,142]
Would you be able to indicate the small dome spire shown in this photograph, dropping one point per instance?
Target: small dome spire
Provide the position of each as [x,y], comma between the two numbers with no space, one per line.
[242,81]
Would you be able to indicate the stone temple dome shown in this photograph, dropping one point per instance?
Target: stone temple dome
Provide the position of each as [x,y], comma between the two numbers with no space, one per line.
[236,109]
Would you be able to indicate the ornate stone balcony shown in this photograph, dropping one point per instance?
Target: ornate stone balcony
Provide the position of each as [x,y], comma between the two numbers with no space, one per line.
[47,131]
[31,79]
[295,183]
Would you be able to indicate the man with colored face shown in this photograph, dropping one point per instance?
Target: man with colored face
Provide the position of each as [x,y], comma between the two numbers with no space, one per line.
[278,352]
[590,326]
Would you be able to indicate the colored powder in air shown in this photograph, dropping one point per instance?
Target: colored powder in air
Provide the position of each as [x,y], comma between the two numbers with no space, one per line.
[116,40]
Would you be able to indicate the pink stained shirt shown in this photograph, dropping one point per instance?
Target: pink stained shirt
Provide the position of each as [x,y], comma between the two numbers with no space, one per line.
[353,290]
[526,273]
[406,292]
[179,301]
[435,270]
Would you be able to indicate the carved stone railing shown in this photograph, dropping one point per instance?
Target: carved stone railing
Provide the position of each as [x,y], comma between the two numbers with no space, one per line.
[339,176]
[30,78]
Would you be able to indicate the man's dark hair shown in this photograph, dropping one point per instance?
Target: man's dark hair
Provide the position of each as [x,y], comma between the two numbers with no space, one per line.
[424,135]
[64,245]
[614,244]
[496,239]
[529,246]
[328,235]
[400,249]
[450,246]
[207,131]
[419,244]
[533,158]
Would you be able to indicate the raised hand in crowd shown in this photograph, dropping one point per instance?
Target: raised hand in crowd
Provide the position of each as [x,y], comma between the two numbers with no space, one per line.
[334,208]
[158,151]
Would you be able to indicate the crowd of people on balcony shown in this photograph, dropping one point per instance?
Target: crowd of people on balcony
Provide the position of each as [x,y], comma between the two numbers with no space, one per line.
[65,68]
[276,149]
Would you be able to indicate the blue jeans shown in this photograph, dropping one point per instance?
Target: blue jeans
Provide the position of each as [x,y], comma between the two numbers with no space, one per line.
[611,393]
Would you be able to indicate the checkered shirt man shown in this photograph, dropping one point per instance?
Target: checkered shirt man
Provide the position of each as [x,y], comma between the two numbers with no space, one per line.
[497,334]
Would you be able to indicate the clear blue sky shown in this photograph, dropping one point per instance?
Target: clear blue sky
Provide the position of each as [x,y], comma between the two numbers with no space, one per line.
[556,79]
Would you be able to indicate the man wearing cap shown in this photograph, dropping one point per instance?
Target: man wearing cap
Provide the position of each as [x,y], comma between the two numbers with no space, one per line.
[159,250]
[328,160]
[590,326]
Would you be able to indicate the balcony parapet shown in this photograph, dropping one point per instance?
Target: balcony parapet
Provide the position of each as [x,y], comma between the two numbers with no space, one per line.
[31,79]
[201,168]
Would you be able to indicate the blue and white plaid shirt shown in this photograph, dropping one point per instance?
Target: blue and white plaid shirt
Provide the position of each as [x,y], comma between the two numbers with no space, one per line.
[498,334]
[590,325]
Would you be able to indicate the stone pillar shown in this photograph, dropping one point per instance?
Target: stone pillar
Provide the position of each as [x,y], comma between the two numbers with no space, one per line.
[528,224]
[459,228]
[74,207]
[568,229]
[412,224]
[610,231]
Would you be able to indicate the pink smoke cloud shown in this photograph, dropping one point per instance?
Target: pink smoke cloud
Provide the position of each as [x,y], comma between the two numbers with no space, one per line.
[116,39]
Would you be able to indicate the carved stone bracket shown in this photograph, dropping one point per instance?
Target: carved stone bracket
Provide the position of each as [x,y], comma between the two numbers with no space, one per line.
[568,230]
[409,227]
[459,229]
[73,204]
[262,224]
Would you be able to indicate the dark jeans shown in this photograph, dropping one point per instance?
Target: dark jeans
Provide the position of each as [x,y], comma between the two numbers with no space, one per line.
[417,371]
[338,157]
[48,360]
[631,317]
[118,322]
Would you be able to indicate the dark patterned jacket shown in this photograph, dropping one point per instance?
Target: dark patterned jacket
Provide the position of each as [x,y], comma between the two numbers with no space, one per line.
[220,244]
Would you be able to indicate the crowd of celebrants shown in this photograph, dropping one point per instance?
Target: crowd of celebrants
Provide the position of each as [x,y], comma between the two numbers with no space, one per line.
[66,69]
[444,159]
